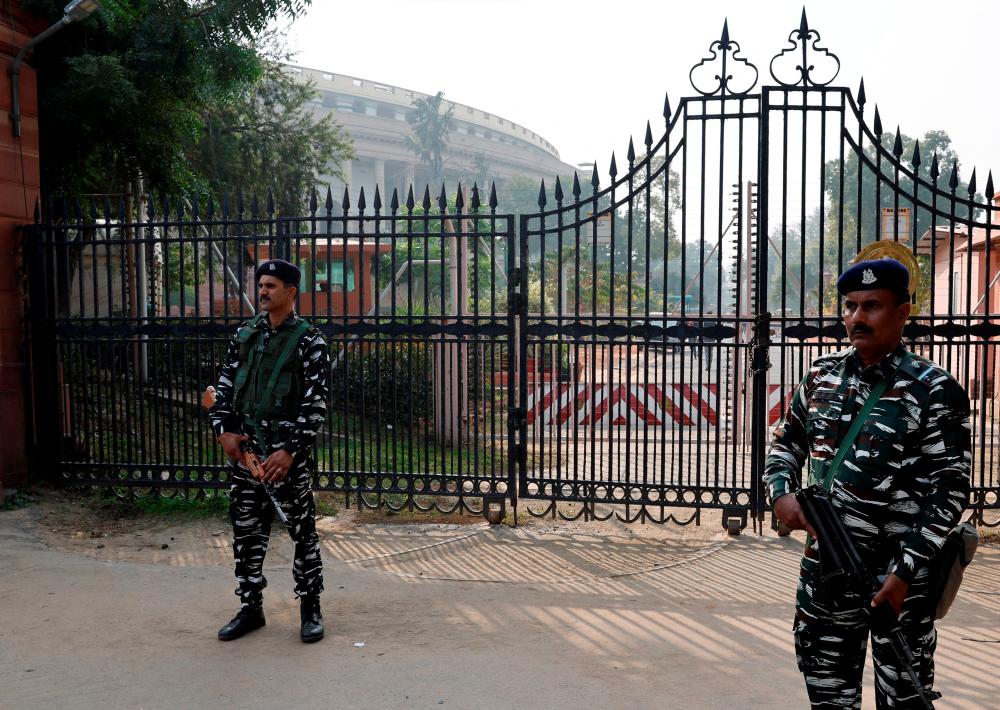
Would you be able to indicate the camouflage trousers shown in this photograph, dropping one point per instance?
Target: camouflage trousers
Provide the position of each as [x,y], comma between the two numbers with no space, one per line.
[251,512]
[831,632]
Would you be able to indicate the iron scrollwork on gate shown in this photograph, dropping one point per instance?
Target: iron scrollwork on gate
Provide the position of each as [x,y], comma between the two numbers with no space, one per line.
[800,57]
[724,57]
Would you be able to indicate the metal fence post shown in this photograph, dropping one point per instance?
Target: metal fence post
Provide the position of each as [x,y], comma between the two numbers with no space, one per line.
[516,354]
[759,356]
[522,347]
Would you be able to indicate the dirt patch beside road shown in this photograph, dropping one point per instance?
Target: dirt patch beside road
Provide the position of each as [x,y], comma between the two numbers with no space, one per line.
[106,529]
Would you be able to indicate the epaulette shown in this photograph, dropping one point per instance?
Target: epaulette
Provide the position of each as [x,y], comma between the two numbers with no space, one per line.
[921,369]
[831,360]
[252,322]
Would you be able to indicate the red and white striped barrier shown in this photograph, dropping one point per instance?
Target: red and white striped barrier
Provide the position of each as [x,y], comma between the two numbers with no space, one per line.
[637,405]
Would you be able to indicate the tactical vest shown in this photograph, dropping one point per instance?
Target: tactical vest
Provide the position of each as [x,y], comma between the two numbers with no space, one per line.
[257,379]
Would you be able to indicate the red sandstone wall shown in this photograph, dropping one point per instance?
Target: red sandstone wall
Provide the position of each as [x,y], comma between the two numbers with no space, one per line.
[19,187]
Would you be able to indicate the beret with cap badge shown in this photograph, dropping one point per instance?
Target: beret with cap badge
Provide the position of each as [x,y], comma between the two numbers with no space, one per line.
[280,269]
[873,274]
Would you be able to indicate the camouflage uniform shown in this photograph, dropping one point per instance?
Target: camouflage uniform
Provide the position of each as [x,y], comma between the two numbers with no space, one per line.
[900,490]
[250,506]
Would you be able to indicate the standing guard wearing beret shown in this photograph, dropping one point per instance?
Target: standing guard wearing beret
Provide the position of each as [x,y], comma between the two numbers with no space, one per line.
[270,403]
[901,486]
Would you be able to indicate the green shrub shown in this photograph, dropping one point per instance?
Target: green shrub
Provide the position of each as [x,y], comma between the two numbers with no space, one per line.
[390,383]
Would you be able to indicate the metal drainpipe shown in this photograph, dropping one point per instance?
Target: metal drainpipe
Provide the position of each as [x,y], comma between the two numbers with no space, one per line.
[15,72]
[74,11]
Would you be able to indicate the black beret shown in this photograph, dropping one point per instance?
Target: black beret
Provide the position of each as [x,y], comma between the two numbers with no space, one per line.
[875,273]
[280,269]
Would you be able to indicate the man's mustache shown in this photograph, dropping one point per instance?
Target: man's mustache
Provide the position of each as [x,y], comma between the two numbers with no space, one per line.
[861,329]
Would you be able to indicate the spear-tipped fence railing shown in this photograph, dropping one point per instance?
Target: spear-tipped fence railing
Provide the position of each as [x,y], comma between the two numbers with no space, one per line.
[407,298]
[626,346]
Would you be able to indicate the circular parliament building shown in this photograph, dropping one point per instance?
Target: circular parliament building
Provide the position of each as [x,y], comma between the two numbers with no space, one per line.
[374,114]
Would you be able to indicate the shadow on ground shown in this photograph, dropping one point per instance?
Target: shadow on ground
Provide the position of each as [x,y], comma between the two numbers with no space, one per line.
[548,615]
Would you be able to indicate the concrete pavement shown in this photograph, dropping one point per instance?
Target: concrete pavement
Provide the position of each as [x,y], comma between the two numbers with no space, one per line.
[460,616]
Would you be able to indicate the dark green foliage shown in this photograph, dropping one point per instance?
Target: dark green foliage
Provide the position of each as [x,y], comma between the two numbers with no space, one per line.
[184,504]
[554,356]
[390,383]
[186,365]
[267,138]
[18,499]
[134,89]
[487,259]
[183,365]
[120,419]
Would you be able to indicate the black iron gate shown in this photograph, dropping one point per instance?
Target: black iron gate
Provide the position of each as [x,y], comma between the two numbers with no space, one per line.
[625,352]
[671,312]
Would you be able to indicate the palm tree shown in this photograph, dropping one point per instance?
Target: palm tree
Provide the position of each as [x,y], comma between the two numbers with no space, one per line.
[480,169]
[430,129]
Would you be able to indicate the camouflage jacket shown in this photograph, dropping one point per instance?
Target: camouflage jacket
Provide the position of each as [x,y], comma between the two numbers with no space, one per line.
[296,437]
[906,479]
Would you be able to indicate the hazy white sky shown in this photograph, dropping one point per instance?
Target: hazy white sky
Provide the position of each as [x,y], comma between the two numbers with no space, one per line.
[587,74]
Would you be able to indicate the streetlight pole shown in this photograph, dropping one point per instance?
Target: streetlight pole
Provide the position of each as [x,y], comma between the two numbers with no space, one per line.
[75,11]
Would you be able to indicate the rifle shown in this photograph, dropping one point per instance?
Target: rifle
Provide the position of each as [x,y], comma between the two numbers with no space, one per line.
[249,458]
[838,555]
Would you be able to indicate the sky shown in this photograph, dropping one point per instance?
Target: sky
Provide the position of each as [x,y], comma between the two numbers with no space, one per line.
[588,74]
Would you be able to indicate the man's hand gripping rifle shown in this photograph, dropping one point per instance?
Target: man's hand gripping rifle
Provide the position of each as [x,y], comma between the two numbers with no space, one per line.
[248,458]
[839,556]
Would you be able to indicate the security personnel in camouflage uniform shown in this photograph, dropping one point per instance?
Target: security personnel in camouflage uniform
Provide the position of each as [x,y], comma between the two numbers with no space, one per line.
[900,489]
[271,399]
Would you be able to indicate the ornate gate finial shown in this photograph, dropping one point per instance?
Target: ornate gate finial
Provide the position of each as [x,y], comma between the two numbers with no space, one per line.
[784,63]
[709,81]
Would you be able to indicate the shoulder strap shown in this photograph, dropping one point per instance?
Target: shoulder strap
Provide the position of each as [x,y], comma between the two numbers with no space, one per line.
[859,421]
[293,340]
[242,376]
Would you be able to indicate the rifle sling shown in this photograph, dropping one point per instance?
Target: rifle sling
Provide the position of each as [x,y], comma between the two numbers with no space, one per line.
[830,471]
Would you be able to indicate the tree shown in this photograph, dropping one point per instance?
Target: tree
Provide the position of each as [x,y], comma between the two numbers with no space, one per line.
[664,204]
[430,128]
[867,212]
[638,270]
[480,173]
[268,138]
[799,285]
[661,212]
[519,194]
[125,92]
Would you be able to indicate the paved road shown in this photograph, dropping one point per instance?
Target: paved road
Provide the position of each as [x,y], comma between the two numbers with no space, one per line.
[451,616]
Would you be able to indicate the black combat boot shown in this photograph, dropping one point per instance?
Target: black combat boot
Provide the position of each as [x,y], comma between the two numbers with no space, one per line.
[312,619]
[248,619]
